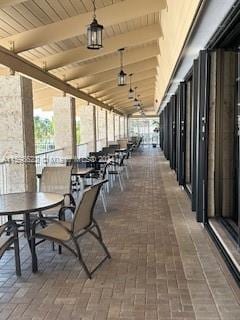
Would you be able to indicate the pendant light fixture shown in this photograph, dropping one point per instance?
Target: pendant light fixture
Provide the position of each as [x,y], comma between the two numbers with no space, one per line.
[135,101]
[122,75]
[131,91]
[94,32]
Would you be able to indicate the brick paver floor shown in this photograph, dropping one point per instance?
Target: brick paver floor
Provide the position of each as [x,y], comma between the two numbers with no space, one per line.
[164,265]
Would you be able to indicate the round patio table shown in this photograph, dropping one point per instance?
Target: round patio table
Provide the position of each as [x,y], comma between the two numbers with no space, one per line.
[27,202]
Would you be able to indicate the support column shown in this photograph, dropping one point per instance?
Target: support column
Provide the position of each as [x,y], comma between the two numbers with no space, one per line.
[114,129]
[94,129]
[65,125]
[106,125]
[119,126]
[17,133]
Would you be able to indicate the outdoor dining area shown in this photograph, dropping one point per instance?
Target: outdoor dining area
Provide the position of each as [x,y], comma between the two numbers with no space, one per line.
[62,209]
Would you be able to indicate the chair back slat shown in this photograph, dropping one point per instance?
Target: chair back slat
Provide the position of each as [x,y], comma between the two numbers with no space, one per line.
[84,211]
[56,179]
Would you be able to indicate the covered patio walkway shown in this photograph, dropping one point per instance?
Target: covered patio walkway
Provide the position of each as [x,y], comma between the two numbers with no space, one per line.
[162,267]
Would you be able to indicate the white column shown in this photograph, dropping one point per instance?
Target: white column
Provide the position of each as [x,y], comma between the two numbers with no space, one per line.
[114,128]
[106,124]
[94,129]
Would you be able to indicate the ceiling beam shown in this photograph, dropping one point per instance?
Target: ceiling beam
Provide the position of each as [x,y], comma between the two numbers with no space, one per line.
[23,66]
[75,26]
[119,91]
[108,63]
[133,109]
[115,97]
[111,85]
[128,39]
[145,97]
[126,104]
[102,77]
[123,98]
[8,3]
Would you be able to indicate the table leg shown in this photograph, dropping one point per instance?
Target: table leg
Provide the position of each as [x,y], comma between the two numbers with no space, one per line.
[32,248]
[81,184]
[28,228]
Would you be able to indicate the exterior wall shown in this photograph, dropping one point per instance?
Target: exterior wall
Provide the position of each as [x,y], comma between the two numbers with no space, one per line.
[17,132]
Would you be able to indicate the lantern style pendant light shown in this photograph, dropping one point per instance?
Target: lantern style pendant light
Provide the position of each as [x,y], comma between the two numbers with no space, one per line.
[131,91]
[94,32]
[122,76]
[135,101]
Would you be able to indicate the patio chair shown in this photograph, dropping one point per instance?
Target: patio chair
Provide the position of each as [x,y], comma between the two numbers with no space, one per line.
[103,175]
[9,237]
[116,171]
[57,180]
[66,233]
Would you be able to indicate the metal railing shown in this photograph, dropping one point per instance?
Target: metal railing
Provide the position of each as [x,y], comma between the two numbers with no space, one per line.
[50,158]
[44,147]
[3,185]
[3,177]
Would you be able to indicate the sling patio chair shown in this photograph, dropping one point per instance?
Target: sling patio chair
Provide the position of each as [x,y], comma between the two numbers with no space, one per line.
[117,170]
[57,180]
[9,237]
[67,233]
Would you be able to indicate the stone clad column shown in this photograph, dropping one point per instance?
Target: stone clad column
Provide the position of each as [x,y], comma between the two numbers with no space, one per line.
[17,133]
[65,125]
[106,126]
[114,128]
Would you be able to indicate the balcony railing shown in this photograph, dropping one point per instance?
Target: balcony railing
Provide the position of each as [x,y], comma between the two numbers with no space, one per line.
[3,177]
[3,185]
[50,158]
[44,147]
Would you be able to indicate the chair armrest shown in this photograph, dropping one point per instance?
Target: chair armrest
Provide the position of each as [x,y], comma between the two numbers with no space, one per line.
[7,225]
[37,221]
[72,201]
[61,213]
[115,163]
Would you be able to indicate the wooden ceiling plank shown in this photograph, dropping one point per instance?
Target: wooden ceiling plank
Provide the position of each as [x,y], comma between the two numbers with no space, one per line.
[116,96]
[8,3]
[112,87]
[112,44]
[76,25]
[131,56]
[102,77]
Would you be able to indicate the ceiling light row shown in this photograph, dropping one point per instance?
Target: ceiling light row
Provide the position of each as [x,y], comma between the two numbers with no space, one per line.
[95,42]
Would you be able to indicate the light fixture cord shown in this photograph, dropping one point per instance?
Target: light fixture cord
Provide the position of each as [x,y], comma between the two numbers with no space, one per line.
[121,55]
[135,93]
[94,9]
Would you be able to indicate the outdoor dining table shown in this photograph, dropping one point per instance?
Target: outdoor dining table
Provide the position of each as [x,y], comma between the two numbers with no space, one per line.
[121,150]
[81,173]
[25,203]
